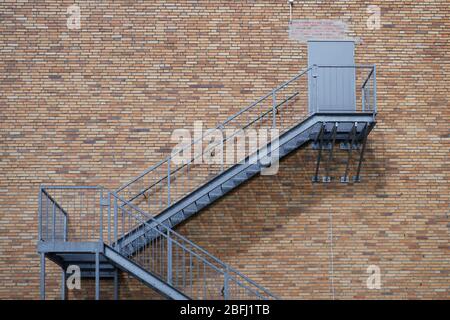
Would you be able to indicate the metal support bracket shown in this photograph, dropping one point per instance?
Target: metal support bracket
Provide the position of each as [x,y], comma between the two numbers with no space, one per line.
[351,141]
[327,177]
[319,139]
[365,133]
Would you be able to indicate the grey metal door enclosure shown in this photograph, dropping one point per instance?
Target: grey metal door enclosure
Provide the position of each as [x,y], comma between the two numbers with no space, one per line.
[331,88]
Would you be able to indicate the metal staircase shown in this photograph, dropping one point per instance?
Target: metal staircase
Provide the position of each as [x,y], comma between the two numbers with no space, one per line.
[78,225]
[171,194]
[131,229]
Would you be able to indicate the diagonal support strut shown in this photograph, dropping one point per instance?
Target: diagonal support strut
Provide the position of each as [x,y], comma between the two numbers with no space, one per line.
[327,177]
[319,139]
[365,133]
[351,140]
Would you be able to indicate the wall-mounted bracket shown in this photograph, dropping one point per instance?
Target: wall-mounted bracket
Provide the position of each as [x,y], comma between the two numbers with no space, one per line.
[327,177]
[365,133]
[319,141]
[350,142]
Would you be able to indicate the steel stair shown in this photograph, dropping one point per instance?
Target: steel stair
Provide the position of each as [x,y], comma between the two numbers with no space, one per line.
[131,229]
[294,136]
[79,225]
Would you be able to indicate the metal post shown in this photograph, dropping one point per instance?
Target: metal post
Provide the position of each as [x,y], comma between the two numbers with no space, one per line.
[316,85]
[374,90]
[319,154]
[222,153]
[327,177]
[225,285]
[363,99]
[357,178]
[97,275]
[40,214]
[274,106]
[66,236]
[109,217]
[351,140]
[115,220]
[42,284]
[54,221]
[63,284]
[116,284]
[169,258]
[168,182]
[101,215]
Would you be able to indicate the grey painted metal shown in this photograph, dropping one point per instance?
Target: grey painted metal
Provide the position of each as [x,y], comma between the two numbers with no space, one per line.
[198,255]
[69,247]
[138,229]
[141,274]
[351,141]
[319,140]
[374,90]
[63,283]
[97,276]
[331,89]
[301,132]
[327,177]
[365,133]
[42,277]
[274,110]
[116,284]
[169,258]
[40,214]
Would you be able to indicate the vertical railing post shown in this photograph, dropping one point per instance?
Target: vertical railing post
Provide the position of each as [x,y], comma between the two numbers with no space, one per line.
[54,221]
[66,230]
[169,258]
[274,109]
[109,217]
[168,182]
[363,99]
[101,215]
[63,284]
[40,214]
[222,150]
[97,275]
[316,89]
[374,90]
[42,277]
[115,221]
[116,284]
[226,284]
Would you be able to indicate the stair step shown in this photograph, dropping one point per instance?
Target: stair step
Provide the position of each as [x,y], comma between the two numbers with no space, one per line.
[216,193]
[252,170]
[229,185]
[190,209]
[177,218]
[239,178]
[203,202]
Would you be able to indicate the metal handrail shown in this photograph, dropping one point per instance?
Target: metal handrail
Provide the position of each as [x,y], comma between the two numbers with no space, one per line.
[170,172]
[94,228]
[195,157]
[172,232]
[158,164]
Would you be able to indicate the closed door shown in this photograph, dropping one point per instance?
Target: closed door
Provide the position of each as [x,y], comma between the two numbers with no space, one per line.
[331,86]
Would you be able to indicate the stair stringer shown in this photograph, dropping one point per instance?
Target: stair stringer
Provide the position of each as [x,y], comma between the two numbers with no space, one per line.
[146,277]
[290,141]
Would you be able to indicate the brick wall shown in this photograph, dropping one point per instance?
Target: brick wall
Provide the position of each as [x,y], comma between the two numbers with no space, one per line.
[98,105]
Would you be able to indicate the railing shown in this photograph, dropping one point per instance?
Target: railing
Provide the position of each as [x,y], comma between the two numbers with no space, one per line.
[285,106]
[334,89]
[72,213]
[179,261]
[83,214]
